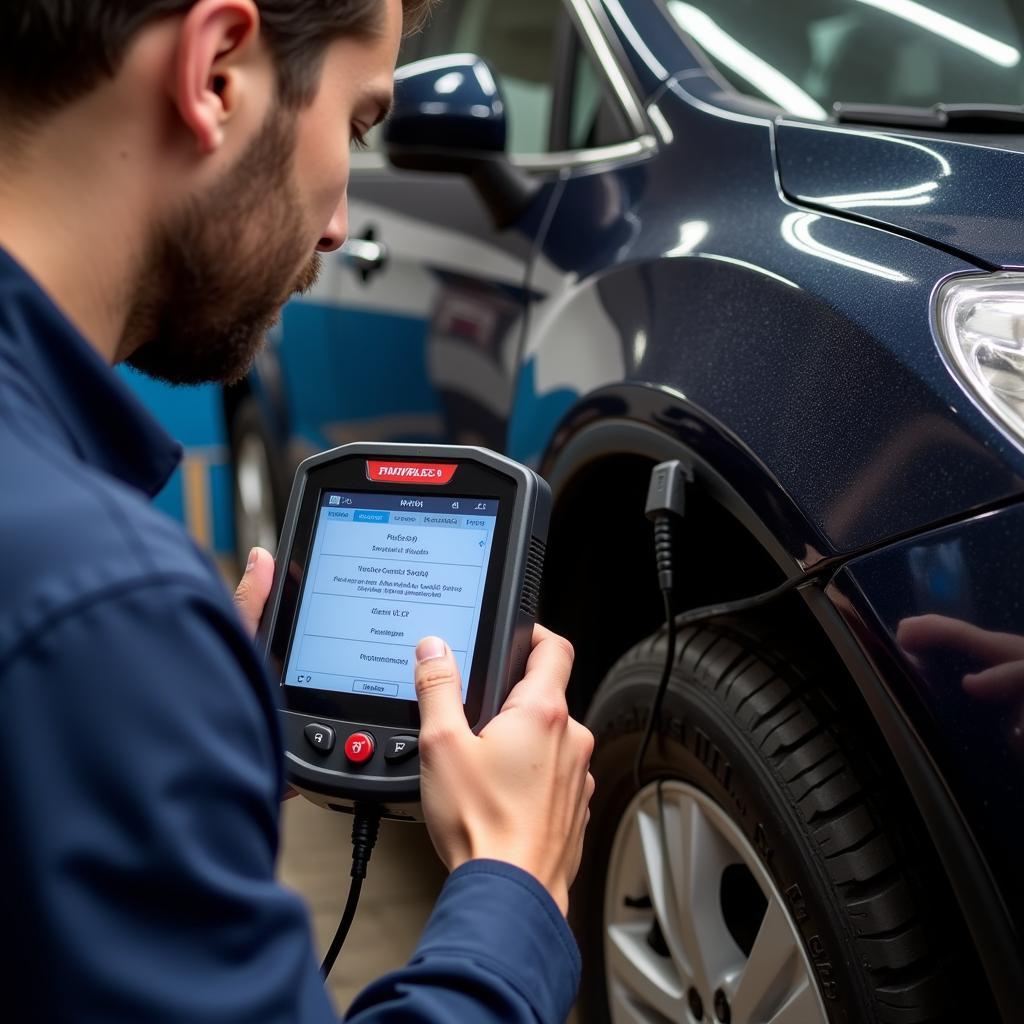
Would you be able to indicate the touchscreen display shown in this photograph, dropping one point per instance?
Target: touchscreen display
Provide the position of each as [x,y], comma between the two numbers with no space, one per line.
[386,570]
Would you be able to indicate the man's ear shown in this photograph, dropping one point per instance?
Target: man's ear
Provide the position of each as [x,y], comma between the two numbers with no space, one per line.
[216,38]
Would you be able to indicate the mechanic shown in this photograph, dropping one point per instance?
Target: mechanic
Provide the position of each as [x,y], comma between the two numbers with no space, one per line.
[168,171]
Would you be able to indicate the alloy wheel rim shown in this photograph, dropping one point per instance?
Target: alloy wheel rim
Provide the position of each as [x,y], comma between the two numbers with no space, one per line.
[694,927]
[255,517]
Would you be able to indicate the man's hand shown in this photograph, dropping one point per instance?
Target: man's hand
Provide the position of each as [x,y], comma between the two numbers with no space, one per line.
[252,592]
[519,791]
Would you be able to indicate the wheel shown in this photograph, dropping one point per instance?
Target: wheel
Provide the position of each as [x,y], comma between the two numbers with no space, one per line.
[759,874]
[258,499]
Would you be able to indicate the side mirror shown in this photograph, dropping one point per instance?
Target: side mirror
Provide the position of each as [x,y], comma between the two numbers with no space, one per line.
[449,116]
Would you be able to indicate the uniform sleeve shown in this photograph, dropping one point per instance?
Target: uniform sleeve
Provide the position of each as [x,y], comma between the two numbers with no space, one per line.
[140,798]
[496,950]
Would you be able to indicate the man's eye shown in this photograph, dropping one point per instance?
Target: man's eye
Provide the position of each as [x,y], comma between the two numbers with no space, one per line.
[358,140]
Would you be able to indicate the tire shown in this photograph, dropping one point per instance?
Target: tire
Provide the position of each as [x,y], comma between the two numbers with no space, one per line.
[748,760]
[258,496]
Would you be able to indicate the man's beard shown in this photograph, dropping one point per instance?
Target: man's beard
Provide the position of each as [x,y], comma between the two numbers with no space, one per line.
[218,274]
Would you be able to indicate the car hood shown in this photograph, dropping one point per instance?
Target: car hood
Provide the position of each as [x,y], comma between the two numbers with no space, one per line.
[962,194]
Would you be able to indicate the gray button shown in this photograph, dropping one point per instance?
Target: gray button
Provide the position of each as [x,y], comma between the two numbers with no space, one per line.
[398,748]
[369,686]
[320,736]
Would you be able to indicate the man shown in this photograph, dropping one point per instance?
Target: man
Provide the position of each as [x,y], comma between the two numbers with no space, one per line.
[168,169]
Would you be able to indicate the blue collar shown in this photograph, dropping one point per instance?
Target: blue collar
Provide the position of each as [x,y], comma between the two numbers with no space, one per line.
[91,408]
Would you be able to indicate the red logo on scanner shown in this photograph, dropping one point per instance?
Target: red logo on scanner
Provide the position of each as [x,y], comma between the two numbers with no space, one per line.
[410,472]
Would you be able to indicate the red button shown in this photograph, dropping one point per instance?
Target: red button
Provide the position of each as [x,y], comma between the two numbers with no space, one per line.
[359,747]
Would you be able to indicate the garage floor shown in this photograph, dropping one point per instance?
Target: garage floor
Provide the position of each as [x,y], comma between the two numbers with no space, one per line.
[404,879]
[401,886]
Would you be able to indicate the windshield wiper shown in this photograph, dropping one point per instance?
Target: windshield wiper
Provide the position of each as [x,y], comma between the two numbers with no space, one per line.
[948,117]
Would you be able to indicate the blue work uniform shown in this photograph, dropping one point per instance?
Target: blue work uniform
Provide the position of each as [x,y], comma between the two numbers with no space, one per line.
[140,760]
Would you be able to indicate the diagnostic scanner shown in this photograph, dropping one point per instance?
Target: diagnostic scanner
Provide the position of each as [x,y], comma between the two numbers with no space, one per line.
[384,544]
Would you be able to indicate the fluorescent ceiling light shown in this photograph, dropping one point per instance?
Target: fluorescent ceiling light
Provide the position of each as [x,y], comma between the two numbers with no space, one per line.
[746,266]
[913,195]
[636,40]
[417,67]
[955,31]
[450,82]
[796,230]
[768,80]
[691,234]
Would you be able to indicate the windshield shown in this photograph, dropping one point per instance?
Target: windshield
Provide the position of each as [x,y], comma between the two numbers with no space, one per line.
[805,55]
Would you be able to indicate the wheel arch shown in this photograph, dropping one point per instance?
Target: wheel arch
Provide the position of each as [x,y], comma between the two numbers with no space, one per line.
[599,480]
[599,472]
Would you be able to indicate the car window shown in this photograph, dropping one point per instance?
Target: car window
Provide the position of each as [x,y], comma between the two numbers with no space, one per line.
[594,117]
[805,55]
[517,38]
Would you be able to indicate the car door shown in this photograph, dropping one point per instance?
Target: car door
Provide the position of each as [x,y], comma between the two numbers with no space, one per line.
[413,331]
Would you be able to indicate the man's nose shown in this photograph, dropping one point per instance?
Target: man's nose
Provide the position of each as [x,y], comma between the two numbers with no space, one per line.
[336,231]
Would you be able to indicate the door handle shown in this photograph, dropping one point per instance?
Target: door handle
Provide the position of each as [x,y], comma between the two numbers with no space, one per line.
[365,255]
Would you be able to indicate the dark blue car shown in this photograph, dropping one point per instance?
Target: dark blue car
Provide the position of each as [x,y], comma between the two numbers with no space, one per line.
[781,242]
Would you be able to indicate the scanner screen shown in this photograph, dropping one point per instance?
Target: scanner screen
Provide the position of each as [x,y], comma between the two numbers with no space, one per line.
[385,571]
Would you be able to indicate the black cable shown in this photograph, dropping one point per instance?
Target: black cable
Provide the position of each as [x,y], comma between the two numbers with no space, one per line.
[666,502]
[347,917]
[673,624]
[659,695]
[744,604]
[365,828]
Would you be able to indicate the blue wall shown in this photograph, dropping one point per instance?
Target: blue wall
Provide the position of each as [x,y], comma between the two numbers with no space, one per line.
[199,493]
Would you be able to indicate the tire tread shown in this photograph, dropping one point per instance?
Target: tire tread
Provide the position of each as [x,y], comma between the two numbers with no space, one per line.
[833,787]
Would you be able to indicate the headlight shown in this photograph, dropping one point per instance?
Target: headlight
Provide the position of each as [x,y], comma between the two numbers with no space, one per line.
[980,324]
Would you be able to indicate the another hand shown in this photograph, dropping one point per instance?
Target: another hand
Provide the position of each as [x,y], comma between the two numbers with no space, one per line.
[519,791]
[999,657]
[251,596]
[254,588]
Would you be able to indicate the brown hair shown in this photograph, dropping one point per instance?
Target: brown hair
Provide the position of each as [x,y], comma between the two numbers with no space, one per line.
[54,51]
